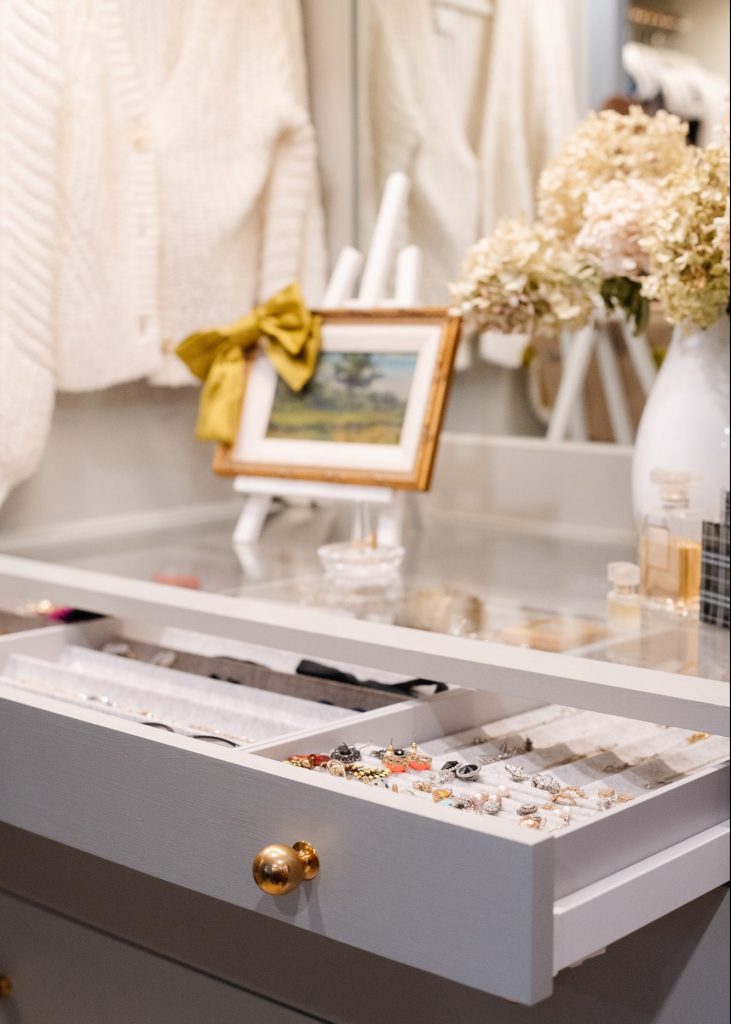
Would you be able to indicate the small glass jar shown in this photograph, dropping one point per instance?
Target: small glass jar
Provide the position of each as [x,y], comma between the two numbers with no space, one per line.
[624,604]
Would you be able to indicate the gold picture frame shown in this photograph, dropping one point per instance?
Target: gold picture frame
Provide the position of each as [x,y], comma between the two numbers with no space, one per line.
[394,340]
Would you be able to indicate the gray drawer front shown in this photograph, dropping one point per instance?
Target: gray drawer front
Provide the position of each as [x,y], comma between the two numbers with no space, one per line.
[64,973]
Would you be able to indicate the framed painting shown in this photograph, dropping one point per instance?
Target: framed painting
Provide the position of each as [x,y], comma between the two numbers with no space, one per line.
[371,413]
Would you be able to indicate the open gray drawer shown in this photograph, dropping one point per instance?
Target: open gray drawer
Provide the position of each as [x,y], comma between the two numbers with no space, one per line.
[470,898]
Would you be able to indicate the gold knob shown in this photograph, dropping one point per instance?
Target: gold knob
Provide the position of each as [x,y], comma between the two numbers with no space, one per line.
[280,869]
[6,989]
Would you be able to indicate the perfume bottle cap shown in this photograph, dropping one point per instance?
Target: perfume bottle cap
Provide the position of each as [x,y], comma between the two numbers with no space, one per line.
[674,484]
[623,574]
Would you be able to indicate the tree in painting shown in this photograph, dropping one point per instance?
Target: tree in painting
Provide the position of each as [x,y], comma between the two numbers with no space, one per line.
[355,370]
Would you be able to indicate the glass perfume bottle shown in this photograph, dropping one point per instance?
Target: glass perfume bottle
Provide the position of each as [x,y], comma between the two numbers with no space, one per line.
[624,604]
[670,547]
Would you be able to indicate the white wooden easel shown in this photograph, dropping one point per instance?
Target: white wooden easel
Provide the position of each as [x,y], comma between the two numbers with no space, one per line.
[567,417]
[259,491]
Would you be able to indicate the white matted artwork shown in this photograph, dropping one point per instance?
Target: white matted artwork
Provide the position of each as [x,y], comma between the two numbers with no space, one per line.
[371,413]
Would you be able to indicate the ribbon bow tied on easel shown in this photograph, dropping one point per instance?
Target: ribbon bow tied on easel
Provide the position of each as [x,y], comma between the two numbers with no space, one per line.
[291,337]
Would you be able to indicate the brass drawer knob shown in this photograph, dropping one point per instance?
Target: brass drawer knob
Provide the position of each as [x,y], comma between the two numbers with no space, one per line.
[6,989]
[280,869]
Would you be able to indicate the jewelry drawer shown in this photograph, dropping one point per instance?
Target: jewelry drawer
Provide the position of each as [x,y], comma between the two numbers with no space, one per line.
[467,897]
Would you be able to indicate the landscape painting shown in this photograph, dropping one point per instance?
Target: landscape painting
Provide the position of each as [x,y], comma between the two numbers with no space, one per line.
[354,397]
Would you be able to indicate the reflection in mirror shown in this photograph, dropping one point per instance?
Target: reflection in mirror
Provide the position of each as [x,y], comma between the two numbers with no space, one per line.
[186,168]
[479,102]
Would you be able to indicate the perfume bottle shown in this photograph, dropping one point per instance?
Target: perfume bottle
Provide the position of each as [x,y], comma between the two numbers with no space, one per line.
[670,547]
[624,604]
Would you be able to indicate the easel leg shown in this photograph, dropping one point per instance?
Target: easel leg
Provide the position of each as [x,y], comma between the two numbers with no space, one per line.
[577,429]
[390,522]
[641,357]
[613,386]
[572,383]
[252,518]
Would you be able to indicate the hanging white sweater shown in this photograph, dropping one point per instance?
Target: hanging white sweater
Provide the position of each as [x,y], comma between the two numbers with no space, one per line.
[178,183]
[530,104]
[29,66]
[470,106]
[409,121]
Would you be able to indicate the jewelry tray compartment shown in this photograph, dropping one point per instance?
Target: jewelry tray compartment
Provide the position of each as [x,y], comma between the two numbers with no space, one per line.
[614,869]
[209,689]
[397,875]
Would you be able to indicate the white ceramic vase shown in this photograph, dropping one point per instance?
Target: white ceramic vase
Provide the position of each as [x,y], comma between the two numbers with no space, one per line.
[685,423]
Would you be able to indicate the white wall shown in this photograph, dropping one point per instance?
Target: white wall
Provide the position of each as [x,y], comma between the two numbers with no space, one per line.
[708,39]
[708,35]
[122,450]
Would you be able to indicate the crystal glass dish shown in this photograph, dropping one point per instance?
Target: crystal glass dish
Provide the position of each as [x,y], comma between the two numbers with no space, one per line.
[357,563]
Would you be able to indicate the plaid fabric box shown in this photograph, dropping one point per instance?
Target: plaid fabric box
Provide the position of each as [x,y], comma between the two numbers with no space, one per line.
[715,574]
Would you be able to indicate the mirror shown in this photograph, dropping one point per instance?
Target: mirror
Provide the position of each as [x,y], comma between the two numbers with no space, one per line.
[472,98]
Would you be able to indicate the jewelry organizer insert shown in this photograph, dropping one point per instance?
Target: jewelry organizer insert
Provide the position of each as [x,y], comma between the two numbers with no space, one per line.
[526,767]
[212,700]
[546,768]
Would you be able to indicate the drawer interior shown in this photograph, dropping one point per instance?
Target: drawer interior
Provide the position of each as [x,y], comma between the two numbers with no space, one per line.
[227,693]
[628,789]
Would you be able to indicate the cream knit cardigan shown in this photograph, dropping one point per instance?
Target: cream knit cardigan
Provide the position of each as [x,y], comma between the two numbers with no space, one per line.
[128,218]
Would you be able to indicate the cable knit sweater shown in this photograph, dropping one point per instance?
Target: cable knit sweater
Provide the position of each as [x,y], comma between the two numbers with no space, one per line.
[159,176]
[29,66]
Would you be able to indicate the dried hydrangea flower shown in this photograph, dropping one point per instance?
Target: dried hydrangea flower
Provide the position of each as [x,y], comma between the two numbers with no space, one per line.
[617,215]
[687,246]
[520,280]
[608,146]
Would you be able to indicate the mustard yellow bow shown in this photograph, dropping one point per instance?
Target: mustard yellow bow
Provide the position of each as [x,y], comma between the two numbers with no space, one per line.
[291,336]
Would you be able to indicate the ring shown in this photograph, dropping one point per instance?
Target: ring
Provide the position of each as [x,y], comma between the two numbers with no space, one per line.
[544,780]
[605,799]
[570,794]
[467,772]
[516,773]
[438,795]
[527,810]
[336,768]
[532,821]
